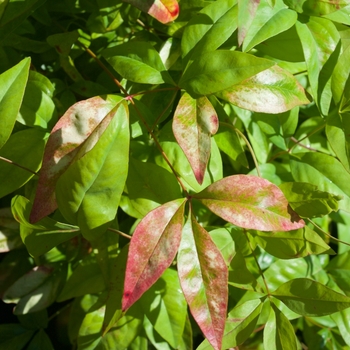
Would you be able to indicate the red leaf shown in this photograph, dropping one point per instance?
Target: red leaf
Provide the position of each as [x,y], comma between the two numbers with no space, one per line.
[203,276]
[152,249]
[250,202]
[164,11]
[66,137]
[195,120]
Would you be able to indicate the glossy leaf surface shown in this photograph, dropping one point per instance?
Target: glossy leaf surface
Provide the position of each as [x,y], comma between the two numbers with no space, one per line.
[250,202]
[194,122]
[308,297]
[203,276]
[69,133]
[161,229]
[13,83]
[274,90]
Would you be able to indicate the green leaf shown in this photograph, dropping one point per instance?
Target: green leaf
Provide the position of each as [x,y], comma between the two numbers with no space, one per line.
[73,128]
[194,122]
[152,249]
[324,171]
[209,29]
[25,148]
[341,319]
[45,281]
[41,341]
[165,307]
[320,41]
[34,320]
[310,298]
[12,86]
[240,323]
[224,242]
[267,22]
[149,185]
[278,332]
[45,234]
[97,176]
[203,277]
[14,336]
[308,201]
[314,7]
[292,244]
[340,16]
[250,202]
[63,42]
[273,90]
[138,62]
[85,279]
[163,10]
[220,70]
[9,238]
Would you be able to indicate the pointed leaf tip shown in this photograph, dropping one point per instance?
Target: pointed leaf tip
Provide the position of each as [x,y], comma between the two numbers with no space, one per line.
[250,202]
[152,249]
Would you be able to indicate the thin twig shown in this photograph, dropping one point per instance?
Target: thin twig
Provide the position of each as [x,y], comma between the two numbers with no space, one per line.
[327,234]
[247,143]
[119,233]
[301,145]
[18,165]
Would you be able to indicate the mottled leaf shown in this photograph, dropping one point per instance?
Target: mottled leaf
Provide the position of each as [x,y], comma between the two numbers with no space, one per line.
[88,193]
[163,10]
[194,122]
[12,87]
[246,14]
[315,7]
[152,249]
[220,70]
[274,90]
[69,133]
[310,298]
[250,202]
[203,276]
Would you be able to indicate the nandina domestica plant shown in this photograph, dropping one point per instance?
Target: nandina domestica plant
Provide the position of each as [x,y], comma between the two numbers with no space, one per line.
[174,175]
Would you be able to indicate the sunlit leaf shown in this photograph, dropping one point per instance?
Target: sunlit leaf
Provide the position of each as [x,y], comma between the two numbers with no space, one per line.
[246,14]
[203,276]
[163,10]
[69,133]
[194,122]
[250,202]
[12,86]
[310,298]
[274,90]
[152,249]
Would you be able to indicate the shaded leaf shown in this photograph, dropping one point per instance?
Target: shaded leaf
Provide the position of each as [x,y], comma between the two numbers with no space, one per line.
[292,244]
[220,70]
[161,231]
[203,276]
[274,90]
[250,202]
[194,122]
[12,86]
[25,148]
[69,133]
[97,176]
[308,201]
[9,237]
[278,332]
[310,298]
[14,336]
[163,10]
[240,323]
[138,62]
[40,341]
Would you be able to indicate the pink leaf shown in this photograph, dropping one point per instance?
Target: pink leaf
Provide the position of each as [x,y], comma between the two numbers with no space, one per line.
[194,122]
[164,11]
[250,202]
[203,276]
[152,249]
[65,139]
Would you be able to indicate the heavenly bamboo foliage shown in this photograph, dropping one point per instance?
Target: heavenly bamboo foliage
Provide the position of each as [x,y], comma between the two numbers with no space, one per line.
[195,121]
[178,170]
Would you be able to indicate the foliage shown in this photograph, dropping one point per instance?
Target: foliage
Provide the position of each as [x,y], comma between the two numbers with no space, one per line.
[175,175]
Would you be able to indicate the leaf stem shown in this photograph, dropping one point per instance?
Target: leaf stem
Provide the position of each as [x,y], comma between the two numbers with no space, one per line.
[257,263]
[327,234]
[18,165]
[119,233]
[239,132]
